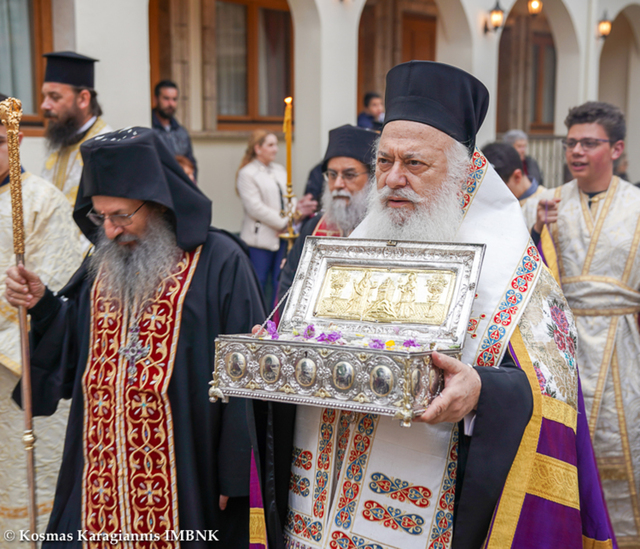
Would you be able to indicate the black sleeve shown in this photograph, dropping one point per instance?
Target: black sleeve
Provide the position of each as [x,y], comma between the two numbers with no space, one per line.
[242,308]
[288,272]
[535,236]
[485,458]
[53,341]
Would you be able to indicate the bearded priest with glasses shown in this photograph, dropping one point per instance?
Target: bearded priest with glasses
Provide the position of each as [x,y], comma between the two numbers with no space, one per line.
[347,168]
[130,339]
[588,232]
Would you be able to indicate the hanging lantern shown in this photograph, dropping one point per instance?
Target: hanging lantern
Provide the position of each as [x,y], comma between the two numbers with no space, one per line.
[535,7]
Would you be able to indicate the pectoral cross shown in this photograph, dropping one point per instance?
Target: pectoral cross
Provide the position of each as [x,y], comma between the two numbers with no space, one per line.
[134,351]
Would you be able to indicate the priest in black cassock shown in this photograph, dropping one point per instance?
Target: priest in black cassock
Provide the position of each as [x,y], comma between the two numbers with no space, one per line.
[130,340]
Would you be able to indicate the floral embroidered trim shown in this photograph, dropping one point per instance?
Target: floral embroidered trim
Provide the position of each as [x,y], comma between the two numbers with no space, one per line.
[304,526]
[340,540]
[393,518]
[400,490]
[299,485]
[129,478]
[495,339]
[302,458]
[325,448]
[343,438]
[475,177]
[443,524]
[355,469]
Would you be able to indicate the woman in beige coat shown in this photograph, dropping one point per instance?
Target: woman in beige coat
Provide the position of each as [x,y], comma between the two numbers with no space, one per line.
[262,185]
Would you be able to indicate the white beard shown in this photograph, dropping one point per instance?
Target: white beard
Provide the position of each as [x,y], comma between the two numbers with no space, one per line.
[435,217]
[345,214]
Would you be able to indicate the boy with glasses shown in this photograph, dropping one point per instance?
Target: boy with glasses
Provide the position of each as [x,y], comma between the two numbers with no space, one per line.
[589,233]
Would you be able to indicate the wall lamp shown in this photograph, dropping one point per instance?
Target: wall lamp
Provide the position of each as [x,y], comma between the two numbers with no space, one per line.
[496,19]
[604,26]
[535,7]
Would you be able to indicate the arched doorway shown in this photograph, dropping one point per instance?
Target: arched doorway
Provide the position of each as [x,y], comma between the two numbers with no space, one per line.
[394,31]
[538,75]
[619,78]
[526,73]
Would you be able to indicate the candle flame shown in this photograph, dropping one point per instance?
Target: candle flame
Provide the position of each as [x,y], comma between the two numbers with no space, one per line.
[288,100]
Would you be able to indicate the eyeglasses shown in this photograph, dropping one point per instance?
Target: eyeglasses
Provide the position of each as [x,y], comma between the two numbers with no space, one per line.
[117,220]
[587,143]
[347,177]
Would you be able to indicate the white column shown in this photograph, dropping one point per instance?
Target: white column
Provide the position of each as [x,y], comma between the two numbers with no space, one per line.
[326,75]
[117,33]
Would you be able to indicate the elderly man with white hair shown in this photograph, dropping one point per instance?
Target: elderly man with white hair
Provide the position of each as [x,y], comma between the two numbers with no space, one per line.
[519,141]
[502,458]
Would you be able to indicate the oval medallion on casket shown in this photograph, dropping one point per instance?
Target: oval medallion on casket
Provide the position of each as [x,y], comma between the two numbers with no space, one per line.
[434,381]
[236,365]
[381,380]
[306,372]
[415,382]
[343,375]
[270,368]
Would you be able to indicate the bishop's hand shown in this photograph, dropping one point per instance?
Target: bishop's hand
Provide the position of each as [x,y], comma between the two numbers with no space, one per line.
[23,287]
[460,394]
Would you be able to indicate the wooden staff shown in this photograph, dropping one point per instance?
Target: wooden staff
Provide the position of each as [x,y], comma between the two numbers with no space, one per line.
[10,115]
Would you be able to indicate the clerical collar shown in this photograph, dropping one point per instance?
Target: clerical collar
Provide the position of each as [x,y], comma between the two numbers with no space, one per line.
[8,178]
[591,195]
[531,190]
[89,123]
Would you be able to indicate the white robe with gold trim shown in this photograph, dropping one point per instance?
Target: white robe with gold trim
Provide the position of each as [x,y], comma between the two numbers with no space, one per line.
[599,267]
[52,250]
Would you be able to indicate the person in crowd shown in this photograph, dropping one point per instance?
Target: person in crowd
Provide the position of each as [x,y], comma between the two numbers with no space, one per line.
[52,247]
[372,116]
[70,106]
[588,232]
[519,140]
[262,185]
[503,455]
[187,166]
[347,168]
[130,340]
[620,167]
[507,163]
[175,137]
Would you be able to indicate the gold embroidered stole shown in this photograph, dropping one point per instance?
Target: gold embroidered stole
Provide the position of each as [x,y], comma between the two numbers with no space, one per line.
[129,480]
[324,228]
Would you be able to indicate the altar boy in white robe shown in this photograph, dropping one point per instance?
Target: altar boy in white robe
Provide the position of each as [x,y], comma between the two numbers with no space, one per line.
[589,232]
[502,458]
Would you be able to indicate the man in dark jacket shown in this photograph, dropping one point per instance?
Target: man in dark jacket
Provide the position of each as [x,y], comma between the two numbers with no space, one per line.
[174,136]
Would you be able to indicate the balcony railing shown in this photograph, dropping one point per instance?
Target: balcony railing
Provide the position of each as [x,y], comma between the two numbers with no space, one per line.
[548,152]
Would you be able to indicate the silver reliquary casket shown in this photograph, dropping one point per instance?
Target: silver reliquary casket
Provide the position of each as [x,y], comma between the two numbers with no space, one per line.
[362,320]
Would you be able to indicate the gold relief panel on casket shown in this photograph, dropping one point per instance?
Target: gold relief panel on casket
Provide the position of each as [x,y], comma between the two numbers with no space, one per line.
[409,296]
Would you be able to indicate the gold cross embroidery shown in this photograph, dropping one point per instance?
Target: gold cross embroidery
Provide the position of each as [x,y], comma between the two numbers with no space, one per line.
[154,315]
[145,405]
[147,492]
[102,405]
[104,492]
